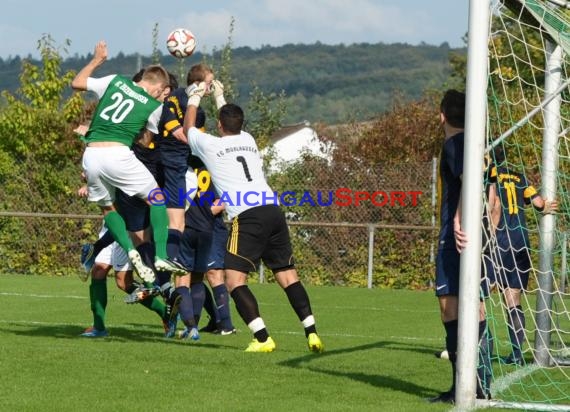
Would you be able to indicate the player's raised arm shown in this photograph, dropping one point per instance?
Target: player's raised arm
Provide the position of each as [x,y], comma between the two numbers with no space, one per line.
[217,89]
[195,94]
[99,57]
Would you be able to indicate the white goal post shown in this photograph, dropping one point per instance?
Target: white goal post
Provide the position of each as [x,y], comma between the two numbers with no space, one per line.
[518,97]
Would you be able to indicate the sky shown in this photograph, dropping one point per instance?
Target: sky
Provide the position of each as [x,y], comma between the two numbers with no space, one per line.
[127,25]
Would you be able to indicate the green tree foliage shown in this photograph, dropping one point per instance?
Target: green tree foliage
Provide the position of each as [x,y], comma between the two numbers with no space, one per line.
[39,157]
[458,63]
[34,119]
[516,86]
[264,111]
[155,50]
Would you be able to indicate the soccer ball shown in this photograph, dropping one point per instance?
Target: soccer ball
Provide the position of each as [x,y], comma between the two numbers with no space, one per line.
[181,43]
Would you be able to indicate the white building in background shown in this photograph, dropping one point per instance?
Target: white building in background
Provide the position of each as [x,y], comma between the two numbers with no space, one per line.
[288,144]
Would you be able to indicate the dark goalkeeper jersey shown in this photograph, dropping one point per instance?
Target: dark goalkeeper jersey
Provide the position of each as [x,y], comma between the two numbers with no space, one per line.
[172,119]
[199,215]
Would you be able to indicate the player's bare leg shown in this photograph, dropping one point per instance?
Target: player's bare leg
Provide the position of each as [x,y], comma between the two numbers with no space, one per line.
[516,325]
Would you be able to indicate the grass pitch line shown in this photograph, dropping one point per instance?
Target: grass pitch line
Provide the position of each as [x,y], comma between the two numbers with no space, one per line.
[358,308]
[80,326]
[354,308]
[33,295]
[349,335]
[502,384]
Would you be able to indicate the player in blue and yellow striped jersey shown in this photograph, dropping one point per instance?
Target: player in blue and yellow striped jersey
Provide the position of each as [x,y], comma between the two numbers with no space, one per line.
[174,152]
[514,266]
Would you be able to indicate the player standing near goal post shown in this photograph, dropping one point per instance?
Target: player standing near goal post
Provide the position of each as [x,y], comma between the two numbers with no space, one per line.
[514,266]
[451,240]
[259,230]
[124,109]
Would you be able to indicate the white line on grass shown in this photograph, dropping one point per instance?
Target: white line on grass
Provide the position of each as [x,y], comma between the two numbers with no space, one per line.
[79,325]
[349,335]
[503,383]
[359,308]
[33,295]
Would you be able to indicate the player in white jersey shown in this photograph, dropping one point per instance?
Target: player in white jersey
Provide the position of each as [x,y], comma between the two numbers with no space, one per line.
[259,230]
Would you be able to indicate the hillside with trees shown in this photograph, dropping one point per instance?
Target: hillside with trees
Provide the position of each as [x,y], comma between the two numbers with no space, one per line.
[321,83]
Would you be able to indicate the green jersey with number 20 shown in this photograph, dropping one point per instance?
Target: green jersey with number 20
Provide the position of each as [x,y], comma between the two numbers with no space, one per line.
[124,109]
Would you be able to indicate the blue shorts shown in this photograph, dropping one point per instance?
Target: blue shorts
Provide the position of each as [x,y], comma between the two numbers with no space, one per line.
[134,211]
[514,268]
[219,242]
[447,272]
[175,166]
[194,249]
[447,266]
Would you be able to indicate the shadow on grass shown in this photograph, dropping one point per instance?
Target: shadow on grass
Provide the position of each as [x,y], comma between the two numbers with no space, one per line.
[117,334]
[380,381]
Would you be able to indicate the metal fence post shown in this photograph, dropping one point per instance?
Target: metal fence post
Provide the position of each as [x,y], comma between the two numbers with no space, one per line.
[433,211]
[370,254]
[433,205]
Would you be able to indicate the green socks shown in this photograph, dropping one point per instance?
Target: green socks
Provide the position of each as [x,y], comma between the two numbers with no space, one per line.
[159,223]
[98,296]
[118,229]
[156,305]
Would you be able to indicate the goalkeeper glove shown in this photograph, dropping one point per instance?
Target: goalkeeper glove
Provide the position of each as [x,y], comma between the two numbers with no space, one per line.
[218,93]
[550,206]
[195,92]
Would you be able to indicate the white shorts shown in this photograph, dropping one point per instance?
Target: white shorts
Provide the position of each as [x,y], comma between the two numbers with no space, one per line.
[108,168]
[113,255]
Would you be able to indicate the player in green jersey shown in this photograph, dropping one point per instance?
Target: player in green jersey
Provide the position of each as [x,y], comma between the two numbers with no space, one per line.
[125,109]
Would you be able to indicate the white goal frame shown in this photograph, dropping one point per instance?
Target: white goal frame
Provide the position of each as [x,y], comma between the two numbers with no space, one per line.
[472,206]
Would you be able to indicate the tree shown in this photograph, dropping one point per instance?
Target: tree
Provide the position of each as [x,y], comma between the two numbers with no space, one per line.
[40,169]
[35,120]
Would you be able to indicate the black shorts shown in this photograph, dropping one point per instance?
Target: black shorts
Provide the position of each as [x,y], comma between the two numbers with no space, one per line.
[134,211]
[259,233]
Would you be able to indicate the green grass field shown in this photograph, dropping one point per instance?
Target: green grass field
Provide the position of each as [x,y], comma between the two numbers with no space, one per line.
[379,347]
